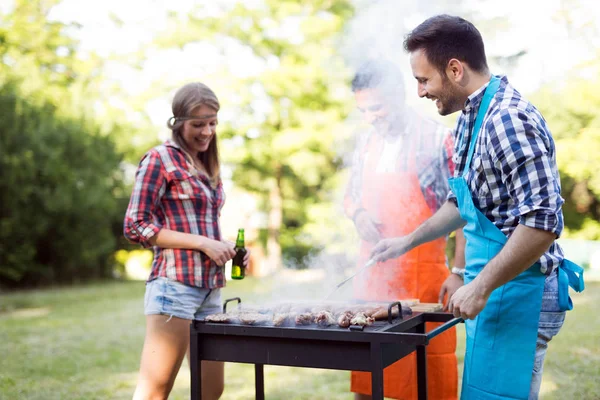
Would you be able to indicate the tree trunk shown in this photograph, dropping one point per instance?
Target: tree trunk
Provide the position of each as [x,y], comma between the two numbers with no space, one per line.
[274,222]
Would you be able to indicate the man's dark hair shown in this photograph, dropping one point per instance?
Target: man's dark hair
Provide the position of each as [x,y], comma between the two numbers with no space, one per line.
[375,74]
[445,37]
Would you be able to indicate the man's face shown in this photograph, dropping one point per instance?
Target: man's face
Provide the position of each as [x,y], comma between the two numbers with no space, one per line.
[375,107]
[434,85]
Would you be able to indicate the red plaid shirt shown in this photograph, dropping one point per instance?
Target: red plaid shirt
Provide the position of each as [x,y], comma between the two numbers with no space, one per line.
[167,195]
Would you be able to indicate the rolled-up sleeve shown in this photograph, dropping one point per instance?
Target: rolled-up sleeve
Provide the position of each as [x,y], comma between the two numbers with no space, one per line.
[524,153]
[140,223]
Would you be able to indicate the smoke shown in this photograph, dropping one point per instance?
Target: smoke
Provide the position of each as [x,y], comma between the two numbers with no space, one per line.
[376,33]
[372,44]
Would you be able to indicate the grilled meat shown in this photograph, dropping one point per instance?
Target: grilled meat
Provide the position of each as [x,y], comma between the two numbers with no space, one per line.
[324,318]
[253,318]
[220,317]
[361,319]
[344,319]
[304,319]
[283,319]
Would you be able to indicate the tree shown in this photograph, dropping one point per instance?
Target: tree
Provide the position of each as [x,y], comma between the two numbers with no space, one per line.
[573,114]
[281,141]
[60,213]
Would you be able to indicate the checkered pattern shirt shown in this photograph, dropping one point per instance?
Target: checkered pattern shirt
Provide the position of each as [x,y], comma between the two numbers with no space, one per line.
[167,195]
[433,145]
[513,177]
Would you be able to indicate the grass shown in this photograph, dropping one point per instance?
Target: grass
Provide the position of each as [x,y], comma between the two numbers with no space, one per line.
[85,343]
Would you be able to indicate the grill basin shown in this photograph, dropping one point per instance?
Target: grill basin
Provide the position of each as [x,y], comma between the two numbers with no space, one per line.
[371,349]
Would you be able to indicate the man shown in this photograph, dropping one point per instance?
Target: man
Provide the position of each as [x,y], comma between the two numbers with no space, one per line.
[506,194]
[399,179]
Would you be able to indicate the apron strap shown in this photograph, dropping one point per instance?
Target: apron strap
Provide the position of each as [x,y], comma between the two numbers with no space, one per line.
[489,94]
[569,275]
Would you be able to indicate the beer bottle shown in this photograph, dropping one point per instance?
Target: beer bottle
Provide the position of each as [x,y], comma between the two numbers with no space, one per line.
[238,270]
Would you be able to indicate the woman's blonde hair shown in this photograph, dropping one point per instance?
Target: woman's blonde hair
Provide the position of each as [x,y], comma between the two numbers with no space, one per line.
[188,98]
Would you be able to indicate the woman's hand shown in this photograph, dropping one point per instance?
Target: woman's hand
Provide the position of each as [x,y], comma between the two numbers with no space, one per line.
[218,251]
[246,257]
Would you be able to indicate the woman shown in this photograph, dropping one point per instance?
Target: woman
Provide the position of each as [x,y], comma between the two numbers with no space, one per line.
[175,207]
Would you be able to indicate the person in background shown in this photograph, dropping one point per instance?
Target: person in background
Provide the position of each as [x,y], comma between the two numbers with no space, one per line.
[506,194]
[175,208]
[398,180]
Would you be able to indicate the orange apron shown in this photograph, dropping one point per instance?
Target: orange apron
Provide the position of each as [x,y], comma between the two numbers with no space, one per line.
[397,201]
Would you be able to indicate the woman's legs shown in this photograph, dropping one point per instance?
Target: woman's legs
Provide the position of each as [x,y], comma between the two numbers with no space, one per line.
[166,343]
[213,379]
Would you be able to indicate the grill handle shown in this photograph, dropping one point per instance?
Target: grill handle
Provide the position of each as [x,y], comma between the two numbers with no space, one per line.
[390,315]
[444,327]
[239,301]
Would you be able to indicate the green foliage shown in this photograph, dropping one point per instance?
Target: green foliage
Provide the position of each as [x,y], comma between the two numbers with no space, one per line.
[287,113]
[61,189]
[59,211]
[573,114]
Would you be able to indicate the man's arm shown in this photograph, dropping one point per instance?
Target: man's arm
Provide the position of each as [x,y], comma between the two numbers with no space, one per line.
[353,188]
[525,246]
[365,224]
[459,249]
[444,221]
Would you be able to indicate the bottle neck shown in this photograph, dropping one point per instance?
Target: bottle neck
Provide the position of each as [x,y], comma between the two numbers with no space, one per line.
[240,240]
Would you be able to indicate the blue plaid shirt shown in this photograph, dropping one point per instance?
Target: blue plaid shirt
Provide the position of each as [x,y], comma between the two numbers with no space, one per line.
[513,177]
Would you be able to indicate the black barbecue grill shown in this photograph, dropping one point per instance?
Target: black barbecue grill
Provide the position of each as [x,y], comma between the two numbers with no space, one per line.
[370,348]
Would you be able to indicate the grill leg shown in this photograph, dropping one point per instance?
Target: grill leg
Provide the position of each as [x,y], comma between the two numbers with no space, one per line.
[421,367]
[259,381]
[376,372]
[195,365]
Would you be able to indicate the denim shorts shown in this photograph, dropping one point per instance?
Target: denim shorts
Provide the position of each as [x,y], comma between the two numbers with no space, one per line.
[551,320]
[168,297]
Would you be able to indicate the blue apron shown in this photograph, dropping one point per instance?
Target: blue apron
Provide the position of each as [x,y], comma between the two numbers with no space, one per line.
[501,340]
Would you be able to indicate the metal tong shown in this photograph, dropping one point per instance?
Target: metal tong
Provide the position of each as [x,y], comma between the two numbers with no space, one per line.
[369,263]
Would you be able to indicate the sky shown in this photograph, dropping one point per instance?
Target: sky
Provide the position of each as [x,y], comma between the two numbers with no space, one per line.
[379,28]
[533,25]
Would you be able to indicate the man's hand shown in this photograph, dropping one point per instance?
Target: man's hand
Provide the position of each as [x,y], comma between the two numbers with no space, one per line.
[468,301]
[449,287]
[366,227]
[390,248]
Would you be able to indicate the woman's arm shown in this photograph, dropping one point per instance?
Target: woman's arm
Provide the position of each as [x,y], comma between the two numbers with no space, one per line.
[218,251]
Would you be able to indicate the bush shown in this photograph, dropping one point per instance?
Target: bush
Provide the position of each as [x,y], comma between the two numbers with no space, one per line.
[59,211]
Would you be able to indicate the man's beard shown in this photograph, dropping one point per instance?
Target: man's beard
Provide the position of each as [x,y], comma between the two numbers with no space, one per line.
[449,101]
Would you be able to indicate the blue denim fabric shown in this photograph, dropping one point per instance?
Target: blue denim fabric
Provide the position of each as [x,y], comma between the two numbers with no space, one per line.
[551,320]
[168,297]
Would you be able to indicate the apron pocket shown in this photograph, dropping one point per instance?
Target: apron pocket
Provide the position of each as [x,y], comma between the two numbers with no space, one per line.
[487,320]
[505,368]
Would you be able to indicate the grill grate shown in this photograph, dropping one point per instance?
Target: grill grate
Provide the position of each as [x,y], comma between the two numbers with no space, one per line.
[370,349]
